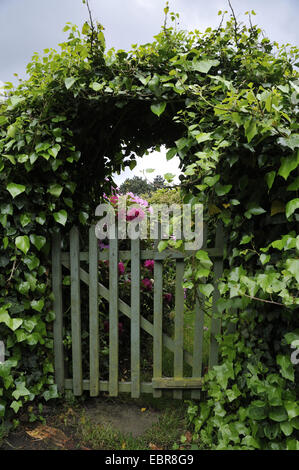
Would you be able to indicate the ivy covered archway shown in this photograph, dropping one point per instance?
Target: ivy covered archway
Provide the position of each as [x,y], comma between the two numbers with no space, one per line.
[226,102]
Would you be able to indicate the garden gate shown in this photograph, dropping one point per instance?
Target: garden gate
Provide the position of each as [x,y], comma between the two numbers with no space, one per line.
[72,261]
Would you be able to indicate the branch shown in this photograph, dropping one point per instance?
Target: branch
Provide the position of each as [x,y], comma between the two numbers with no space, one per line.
[235,19]
[262,300]
[91,25]
[12,271]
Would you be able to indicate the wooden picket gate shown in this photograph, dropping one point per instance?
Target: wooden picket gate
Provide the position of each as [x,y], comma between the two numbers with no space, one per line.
[178,383]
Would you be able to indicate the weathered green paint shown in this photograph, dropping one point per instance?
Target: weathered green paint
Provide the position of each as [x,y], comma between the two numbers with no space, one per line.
[135,318]
[58,310]
[113,317]
[169,382]
[93,314]
[179,324]
[126,310]
[123,387]
[178,383]
[198,342]
[155,255]
[158,323]
[76,311]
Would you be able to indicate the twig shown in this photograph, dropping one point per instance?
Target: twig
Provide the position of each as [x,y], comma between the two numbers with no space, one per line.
[266,301]
[235,19]
[91,25]
[12,271]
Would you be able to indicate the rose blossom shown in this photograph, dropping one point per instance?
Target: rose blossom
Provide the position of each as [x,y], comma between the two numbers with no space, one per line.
[121,267]
[147,283]
[149,264]
[168,297]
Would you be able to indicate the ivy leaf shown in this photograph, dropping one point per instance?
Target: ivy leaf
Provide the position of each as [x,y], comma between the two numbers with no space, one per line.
[292,141]
[250,129]
[16,405]
[158,108]
[288,164]
[69,82]
[83,217]
[53,151]
[291,207]
[294,186]
[96,86]
[60,217]
[250,441]
[278,413]
[286,428]
[37,305]
[203,137]
[253,210]
[162,245]
[286,367]
[38,241]
[221,190]
[171,153]
[204,66]
[257,411]
[20,391]
[206,289]
[203,269]
[51,393]
[85,27]
[55,190]
[23,243]
[246,239]
[264,258]
[15,189]
[270,177]
[24,287]
[211,180]
[25,219]
[292,266]
[292,409]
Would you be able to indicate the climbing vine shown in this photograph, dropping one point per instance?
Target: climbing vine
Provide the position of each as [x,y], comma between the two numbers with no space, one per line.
[226,102]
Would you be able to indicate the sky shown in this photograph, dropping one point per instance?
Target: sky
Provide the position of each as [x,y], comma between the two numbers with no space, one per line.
[28,26]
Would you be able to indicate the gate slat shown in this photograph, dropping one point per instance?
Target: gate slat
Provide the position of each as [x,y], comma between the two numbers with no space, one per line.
[158,324]
[58,310]
[197,344]
[198,330]
[76,311]
[216,322]
[93,313]
[135,318]
[179,326]
[113,316]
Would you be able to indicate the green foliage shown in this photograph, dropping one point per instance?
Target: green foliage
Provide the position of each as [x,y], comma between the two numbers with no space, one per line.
[135,185]
[225,102]
[248,405]
[139,186]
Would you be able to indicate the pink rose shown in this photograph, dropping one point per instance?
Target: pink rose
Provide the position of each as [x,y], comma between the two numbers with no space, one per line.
[149,264]
[168,297]
[121,268]
[113,199]
[147,283]
[135,213]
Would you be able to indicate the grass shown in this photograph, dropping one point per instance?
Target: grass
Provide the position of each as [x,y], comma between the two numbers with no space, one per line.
[163,434]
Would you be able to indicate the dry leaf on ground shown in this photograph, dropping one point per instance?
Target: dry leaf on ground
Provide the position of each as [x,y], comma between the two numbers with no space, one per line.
[47,432]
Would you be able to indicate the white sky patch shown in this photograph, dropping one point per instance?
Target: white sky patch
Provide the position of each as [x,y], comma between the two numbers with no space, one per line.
[155,160]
